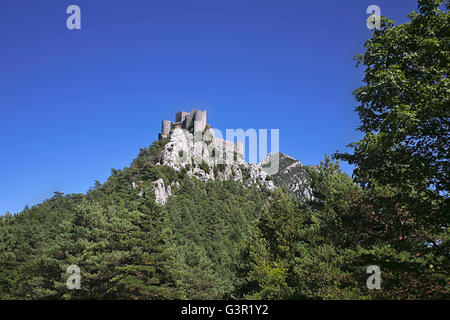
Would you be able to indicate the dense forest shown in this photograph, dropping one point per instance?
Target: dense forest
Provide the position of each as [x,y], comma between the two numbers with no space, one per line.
[221,240]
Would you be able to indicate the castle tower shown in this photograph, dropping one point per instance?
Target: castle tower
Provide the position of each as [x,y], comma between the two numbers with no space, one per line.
[199,121]
[166,125]
[196,119]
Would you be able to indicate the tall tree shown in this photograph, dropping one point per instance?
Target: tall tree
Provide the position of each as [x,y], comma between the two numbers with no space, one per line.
[402,159]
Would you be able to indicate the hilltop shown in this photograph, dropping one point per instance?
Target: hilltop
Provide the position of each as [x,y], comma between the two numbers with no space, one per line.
[164,227]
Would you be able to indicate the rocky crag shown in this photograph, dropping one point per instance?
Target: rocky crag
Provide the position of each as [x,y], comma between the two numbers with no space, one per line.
[292,174]
[191,144]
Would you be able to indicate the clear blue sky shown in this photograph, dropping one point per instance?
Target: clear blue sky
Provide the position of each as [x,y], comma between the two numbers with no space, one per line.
[74,104]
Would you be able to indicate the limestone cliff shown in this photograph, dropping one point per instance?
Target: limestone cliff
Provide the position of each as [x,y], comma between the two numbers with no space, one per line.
[206,157]
[189,144]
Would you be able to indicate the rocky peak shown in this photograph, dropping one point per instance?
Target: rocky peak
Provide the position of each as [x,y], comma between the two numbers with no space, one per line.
[208,157]
[291,173]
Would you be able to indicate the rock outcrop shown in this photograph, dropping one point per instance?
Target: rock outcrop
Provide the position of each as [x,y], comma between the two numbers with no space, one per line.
[162,193]
[291,173]
[196,149]
[207,157]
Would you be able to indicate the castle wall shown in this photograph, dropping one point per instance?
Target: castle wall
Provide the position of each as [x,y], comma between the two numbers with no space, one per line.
[180,116]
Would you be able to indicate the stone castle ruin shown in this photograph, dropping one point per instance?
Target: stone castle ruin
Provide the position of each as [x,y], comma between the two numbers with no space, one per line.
[195,146]
[194,121]
[191,134]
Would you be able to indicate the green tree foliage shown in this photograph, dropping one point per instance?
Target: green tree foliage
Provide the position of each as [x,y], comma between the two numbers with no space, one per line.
[302,251]
[402,160]
[321,249]
[126,245]
[209,222]
[404,103]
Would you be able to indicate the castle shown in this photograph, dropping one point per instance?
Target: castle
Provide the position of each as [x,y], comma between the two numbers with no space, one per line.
[196,147]
[196,120]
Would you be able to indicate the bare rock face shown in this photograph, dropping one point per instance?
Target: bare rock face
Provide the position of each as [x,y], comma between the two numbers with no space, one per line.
[207,158]
[189,149]
[201,174]
[193,147]
[161,192]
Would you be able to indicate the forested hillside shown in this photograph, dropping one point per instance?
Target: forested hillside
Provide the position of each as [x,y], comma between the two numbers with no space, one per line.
[213,240]
[125,244]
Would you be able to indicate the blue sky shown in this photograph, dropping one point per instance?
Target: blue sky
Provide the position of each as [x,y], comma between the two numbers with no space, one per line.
[76,103]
